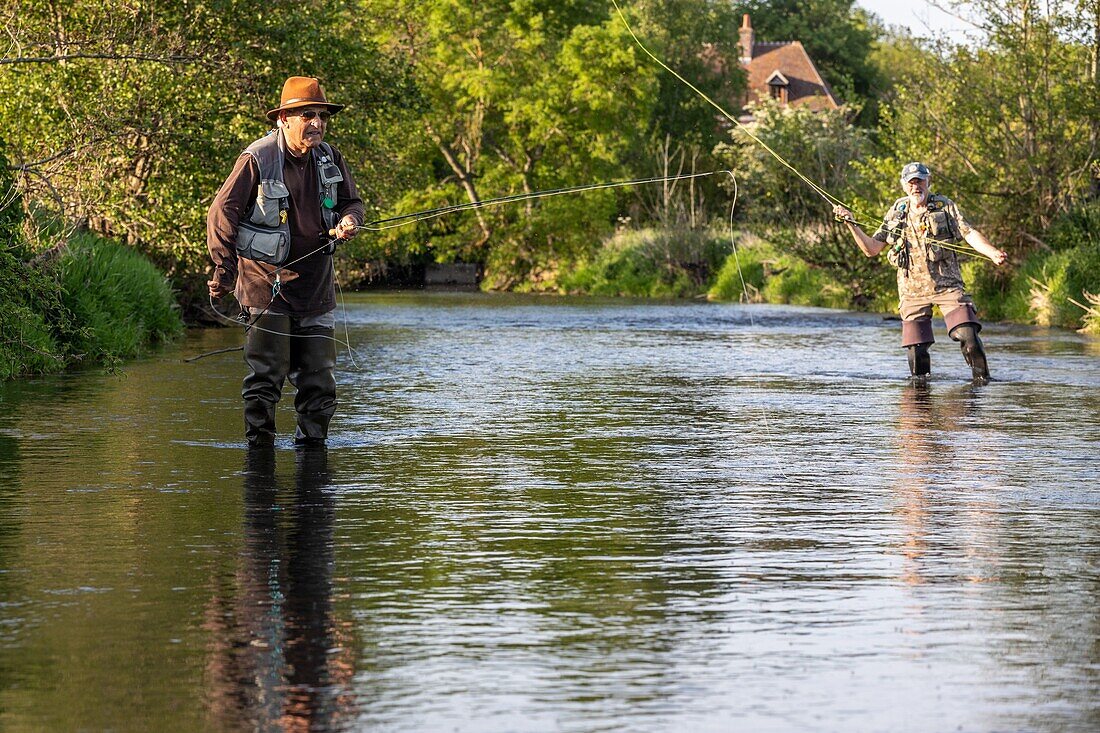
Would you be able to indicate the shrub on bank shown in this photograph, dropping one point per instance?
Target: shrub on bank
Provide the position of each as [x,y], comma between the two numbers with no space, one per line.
[1052,286]
[30,310]
[744,272]
[120,303]
[31,318]
[100,302]
[653,263]
[771,277]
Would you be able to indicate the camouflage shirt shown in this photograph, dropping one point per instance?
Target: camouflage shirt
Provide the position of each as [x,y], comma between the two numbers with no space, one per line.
[924,267]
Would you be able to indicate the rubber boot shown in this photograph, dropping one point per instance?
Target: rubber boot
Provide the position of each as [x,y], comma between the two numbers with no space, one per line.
[920,362]
[972,350]
[267,353]
[313,363]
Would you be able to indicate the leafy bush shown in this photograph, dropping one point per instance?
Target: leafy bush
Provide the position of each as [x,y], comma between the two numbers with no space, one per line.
[1079,227]
[1043,289]
[30,317]
[799,284]
[988,285]
[772,277]
[28,297]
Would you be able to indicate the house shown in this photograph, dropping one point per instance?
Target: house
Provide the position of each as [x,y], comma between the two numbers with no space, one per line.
[781,70]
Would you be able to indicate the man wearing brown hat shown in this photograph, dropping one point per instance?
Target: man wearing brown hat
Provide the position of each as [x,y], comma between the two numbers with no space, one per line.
[271,232]
[923,229]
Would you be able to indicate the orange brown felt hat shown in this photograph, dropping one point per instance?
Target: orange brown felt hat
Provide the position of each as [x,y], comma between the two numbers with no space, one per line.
[302,91]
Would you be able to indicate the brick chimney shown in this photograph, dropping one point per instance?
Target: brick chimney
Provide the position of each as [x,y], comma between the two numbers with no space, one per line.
[747,39]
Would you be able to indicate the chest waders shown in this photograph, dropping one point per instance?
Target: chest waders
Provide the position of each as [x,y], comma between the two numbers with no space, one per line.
[279,346]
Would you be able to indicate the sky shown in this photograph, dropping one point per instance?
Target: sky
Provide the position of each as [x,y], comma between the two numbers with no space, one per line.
[921,18]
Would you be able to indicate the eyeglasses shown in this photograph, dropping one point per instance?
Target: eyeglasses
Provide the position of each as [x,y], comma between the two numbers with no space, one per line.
[309,114]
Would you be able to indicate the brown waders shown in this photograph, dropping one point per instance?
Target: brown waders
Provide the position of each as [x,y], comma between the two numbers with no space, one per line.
[962,325]
[278,347]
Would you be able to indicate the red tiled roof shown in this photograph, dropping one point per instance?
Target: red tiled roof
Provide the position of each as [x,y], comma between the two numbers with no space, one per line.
[806,88]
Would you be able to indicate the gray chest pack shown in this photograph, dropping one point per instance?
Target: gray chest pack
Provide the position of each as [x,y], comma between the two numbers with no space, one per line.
[264,235]
[938,225]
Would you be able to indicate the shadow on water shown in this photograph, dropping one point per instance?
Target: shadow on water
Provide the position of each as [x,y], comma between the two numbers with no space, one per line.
[278,657]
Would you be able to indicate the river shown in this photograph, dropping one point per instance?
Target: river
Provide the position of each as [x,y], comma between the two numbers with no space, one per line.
[552,514]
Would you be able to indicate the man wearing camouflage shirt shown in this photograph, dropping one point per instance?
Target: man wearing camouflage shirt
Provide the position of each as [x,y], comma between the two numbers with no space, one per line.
[923,229]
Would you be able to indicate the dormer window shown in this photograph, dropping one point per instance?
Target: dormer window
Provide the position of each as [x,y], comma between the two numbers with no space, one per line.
[777,86]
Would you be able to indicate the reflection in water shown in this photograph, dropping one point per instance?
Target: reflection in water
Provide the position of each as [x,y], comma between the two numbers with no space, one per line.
[279,660]
[929,426]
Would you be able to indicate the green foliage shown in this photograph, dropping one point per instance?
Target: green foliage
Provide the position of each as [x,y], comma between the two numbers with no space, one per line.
[699,40]
[11,207]
[772,277]
[100,302]
[29,303]
[989,285]
[30,317]
[780,206]
[657,263]
[121,302]
[1045,286]
[744,272]
[1041,290]
[520,97]
[1079,227]
[132,126]
[799,284]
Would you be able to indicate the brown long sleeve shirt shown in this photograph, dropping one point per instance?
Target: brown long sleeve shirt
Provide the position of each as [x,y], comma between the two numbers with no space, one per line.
[312,291]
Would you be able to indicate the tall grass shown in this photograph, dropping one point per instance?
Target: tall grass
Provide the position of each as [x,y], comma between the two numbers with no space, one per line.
[1049,287]
[772,277]
[653,263]
[120,303]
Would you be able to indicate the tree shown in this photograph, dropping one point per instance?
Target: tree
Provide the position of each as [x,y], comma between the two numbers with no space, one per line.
[124,118]
[518,97]
[1010,125]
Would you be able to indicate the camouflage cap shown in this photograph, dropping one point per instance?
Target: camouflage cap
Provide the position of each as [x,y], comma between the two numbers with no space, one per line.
[914,170]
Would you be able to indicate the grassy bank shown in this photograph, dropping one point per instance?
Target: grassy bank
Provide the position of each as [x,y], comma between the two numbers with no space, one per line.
[1056,285]
[758,272]
[650,263]
[96,303]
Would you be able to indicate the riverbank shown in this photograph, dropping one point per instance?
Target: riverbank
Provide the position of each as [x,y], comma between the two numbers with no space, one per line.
[1056,285]
[90,302]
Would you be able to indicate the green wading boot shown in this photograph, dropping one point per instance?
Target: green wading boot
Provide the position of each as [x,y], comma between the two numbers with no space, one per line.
[313,358]
[267,353]
[972,350]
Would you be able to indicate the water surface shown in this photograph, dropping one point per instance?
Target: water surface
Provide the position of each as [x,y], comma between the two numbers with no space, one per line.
[543,514]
